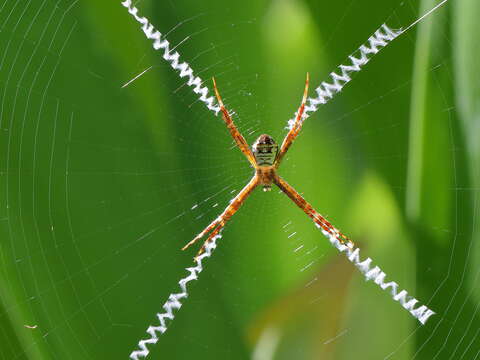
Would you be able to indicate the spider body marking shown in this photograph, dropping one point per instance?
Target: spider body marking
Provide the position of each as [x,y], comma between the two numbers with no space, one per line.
[265,157]
[265,151]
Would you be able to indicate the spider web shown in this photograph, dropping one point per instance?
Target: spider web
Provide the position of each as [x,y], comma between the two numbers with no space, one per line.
[101,186]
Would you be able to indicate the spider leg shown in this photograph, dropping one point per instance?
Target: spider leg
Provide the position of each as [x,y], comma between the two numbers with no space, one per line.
[295,129]
[310,211]
[210,237]
[237,136]
[218,224]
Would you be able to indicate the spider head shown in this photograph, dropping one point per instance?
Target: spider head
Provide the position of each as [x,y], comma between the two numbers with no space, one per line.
[265,150]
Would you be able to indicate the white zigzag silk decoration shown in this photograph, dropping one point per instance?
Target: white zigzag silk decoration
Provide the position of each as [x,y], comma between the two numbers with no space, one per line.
[325,92]
[421,313]
[173,303]
[173,58]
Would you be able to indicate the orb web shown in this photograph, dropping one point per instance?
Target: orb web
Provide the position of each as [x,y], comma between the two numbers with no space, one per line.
[102,185]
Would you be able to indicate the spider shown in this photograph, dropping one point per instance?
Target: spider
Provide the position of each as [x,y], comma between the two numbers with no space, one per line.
[265,157]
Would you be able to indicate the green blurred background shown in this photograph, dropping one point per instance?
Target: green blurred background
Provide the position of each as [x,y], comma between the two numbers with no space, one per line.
[102,186]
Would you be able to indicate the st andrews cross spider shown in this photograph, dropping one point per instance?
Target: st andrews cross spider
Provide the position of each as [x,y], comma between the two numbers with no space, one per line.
[265,158]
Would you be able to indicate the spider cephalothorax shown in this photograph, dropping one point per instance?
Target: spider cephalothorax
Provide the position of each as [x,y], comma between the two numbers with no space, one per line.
[265,150]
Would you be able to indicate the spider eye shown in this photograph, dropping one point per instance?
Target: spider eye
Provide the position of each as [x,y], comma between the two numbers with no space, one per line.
[265,150]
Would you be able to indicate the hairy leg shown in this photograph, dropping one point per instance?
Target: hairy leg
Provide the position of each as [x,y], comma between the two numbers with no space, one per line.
[217,225]
[237,136]
[295,129]
[309,210]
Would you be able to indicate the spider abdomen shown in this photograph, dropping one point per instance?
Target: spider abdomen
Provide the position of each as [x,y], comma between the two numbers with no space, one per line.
[265,150]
